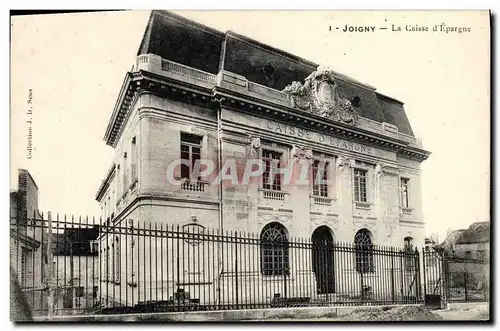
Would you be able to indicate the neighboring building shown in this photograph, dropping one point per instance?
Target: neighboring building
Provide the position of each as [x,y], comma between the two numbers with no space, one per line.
[26,240]
[223,96]
[469,252]
[449,243]
[76,270]
[474,242]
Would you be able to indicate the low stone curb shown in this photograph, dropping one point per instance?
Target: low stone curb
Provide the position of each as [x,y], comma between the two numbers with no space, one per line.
[220,315]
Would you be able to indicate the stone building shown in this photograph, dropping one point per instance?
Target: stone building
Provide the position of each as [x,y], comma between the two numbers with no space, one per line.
[227,99]
[75,270]
[26,241]
[470,243]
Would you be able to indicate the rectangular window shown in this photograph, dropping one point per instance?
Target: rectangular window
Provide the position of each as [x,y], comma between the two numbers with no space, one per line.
[118,183]
[271,159]
[481,255]
[404,192]
[79,292]
[190,151]
[360,185]
[133,160]
[125,174]
[320,176]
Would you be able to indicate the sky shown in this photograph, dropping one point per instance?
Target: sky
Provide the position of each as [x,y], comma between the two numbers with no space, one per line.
[75,64]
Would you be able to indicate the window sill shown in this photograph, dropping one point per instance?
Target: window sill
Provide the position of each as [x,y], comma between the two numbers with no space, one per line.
[406,210]
[273,195]
[261,189]
[319,200]
[280,278]
[190,185]
[322,197]
[367,273]
[363,205]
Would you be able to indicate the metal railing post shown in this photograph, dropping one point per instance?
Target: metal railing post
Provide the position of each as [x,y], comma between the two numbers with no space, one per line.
[50,289]
[424,271]
[236,269]
[465,281]
[392,277]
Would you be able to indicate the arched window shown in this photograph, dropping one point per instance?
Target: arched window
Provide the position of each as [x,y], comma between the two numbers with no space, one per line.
[408,243]
[364,251]
[409,253]
[274,250]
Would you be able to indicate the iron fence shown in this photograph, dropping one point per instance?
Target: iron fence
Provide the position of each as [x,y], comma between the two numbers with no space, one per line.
[467,279]
[56,263]
[151,267]
[82,266]
[448,278]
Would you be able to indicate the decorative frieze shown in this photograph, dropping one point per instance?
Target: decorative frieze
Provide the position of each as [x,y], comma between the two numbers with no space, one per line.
[382,169]
[318,220]
[343,162]
[255,145]
[379,169]
[301,153]
[266,216]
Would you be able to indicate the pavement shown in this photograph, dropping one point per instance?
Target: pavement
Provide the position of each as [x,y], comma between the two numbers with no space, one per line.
[477,314]
[454,314]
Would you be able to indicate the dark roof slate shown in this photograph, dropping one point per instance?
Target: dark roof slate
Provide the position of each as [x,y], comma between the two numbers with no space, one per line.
[74,242]
[476,233]
[180,40]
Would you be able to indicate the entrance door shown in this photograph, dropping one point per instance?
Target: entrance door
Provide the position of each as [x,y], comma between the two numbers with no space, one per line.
[323,260]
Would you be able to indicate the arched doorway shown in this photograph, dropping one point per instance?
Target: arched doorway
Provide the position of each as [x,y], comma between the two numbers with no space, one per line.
[323,260]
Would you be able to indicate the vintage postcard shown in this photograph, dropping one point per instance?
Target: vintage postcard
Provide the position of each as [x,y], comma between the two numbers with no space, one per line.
[250,166]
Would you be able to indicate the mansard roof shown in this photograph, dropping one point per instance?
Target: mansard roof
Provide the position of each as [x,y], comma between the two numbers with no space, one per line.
[188,61]
[211,51]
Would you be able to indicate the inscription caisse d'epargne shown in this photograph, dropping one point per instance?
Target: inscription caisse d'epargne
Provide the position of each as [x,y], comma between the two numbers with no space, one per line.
[317,137]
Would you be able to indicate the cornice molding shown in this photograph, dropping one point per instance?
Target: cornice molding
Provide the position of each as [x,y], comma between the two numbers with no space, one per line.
[146,82]
[320,124]
[105,183]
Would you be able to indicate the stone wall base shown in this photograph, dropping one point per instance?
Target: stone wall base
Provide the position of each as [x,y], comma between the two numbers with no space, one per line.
[202,316]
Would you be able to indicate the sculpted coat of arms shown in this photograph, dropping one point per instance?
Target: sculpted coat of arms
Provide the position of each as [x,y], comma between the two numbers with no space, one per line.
[319,96]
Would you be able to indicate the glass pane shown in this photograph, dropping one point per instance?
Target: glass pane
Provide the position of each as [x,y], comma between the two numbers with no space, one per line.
[184,171]
[191,138]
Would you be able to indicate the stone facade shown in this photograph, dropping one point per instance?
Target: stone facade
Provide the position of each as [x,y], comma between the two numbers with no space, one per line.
[237,118]
[26,240]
